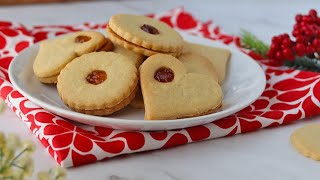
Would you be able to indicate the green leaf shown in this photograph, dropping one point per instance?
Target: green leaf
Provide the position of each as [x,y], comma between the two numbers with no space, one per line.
[250,41]
[304,63]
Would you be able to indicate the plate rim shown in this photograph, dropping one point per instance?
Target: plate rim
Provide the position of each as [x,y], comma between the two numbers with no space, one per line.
[120,122]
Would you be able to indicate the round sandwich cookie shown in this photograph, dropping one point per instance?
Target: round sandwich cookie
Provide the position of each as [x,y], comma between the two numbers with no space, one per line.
[144,35]
[98,83]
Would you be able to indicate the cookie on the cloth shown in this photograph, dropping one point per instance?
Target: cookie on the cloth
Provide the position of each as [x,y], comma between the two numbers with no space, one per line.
[55,54]
[306,141]
[219,57]
[108,46]
[196,63]
[144,35]
[136,58]
[98,83]
[169,92]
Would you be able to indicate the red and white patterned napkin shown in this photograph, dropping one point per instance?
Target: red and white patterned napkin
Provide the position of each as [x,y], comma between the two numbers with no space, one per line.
[289,95]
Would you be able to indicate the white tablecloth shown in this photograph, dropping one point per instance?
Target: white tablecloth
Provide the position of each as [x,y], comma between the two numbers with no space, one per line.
[264,154]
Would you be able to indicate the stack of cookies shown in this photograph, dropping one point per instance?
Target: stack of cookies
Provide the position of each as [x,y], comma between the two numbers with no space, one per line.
[145,63]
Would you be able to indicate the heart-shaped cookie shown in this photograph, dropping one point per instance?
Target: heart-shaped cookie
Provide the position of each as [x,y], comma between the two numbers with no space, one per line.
[170,92]
[55,54]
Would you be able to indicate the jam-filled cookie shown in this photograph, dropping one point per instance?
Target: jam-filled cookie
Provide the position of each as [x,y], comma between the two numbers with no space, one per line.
[193,63]
[144,35]
[98,83]
[170,92]
[55,54]
[218,57]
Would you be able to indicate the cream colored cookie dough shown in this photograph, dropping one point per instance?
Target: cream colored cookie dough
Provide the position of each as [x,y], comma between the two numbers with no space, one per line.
[136,58]
[218,57]
[187,95]
[306,141]
[55,54]
[196,63]
[98,82]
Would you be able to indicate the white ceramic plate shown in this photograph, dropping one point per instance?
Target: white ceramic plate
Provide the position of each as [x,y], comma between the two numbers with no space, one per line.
[244,83]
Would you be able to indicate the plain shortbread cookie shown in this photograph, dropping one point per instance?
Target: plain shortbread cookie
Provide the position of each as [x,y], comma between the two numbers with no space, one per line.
[306,141]
[196,63]
[218,57]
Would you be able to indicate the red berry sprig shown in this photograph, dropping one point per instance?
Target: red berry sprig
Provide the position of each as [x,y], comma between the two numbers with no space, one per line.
[307,35]
[281,48]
